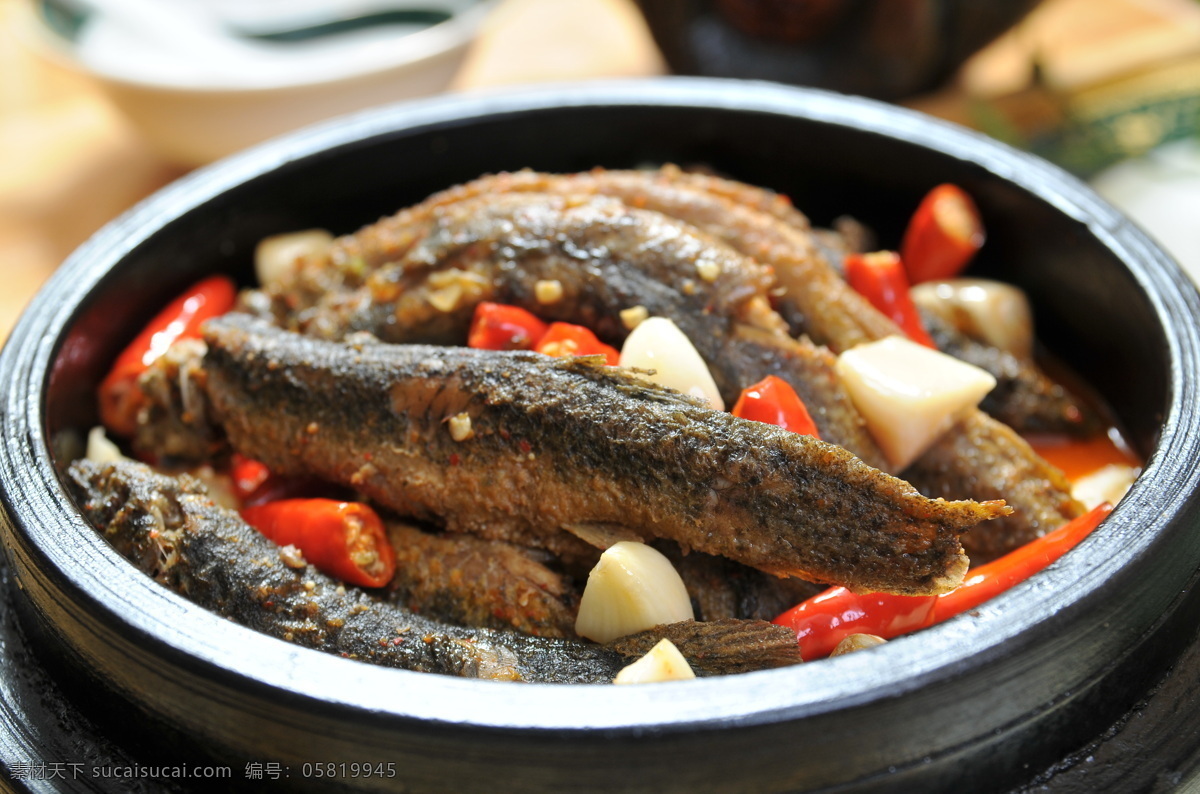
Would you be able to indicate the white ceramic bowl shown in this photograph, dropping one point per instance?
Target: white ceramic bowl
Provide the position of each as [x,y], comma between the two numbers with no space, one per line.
[199,91]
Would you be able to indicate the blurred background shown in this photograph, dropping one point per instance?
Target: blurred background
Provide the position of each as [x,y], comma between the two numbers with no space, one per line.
[102,102]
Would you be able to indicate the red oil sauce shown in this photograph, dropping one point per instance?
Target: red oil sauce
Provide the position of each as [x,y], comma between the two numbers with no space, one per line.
[1078,457]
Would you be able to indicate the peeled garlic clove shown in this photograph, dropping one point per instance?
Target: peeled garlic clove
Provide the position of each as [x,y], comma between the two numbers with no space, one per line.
[1106,484]
[632,588]
[219,486]
[909,394]
[277,258]
[658,344]
[990,311]
[857,642]
[664,662]
[101,449]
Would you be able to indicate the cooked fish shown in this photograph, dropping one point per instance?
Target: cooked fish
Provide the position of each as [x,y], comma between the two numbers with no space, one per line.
[560,441]
[753,221]
[727,646]
[474,581]
[477,582]
[170,529]
[173,421]
[762,225]
[605,258]
[756,222]
[1039,493]
[462,578]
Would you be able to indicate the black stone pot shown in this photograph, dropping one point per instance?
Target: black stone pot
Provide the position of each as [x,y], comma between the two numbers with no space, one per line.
[1064,669]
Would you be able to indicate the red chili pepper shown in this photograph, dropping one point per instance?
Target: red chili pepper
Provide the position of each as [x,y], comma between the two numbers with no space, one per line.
[880,278]
[497,326]
[995,577]
[774,401]
[824,620]
[343,539]
[255,484]
[566,339]
[248,475]
[942,236]
[181,319]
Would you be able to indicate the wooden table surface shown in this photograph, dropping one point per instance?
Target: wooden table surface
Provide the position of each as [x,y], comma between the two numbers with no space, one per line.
[69,162]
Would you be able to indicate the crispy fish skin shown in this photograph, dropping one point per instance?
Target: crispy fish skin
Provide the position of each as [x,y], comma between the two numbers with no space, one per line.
[1040,493]
[462,578]
[172,531]
[560,441]
[731,646]
[756,222]
[476,582]
[606,258]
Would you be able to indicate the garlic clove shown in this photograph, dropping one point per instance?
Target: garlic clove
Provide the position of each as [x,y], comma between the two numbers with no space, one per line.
[990,311]
[277,258]
[657,344]
[663,662]
[909,394]
[101,449]
[857,642]
[632,588]
[1106,484]
[219,486]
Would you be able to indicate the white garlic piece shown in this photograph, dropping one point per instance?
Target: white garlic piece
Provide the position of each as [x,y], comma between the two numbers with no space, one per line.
[100,449]
[657,344]
[1106,484]
[909,394]
[277,258]
[990,311]
[857,642]
[632,588]
[664,662]
[220,486]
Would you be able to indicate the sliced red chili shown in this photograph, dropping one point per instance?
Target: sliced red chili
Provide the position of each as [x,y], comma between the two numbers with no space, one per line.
[248,475]
[343,539]
[567,339]
[881,279]
[497,326]
[119,397]
[824,620]
[943,235]
[995,577]
[774,401]
[255,484]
